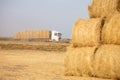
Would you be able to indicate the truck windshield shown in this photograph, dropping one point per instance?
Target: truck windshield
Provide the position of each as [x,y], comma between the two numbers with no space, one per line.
[57,34]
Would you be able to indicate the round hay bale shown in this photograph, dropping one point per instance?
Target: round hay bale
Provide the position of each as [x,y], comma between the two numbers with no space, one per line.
[101,8]
[86,32]
[17,35]
[78,61]
[111,30]
[107,62]
[34,34]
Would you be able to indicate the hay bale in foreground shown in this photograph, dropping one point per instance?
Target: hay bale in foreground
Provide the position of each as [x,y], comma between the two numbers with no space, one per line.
[101,8]
[78,61]
[86,32]
[107,62]
[111,30]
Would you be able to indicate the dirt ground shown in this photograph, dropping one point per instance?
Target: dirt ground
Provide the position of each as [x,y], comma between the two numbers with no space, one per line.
[34,65]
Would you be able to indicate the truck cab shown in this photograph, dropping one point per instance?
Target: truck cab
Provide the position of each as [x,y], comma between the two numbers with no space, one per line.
[56,36]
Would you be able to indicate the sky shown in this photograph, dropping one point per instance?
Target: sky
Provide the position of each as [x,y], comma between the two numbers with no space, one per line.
[59,15]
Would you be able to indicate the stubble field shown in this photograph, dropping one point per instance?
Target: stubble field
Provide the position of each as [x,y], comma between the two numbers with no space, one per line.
[34,65]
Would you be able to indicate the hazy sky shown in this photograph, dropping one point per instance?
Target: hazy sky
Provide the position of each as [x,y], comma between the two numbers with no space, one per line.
[60,15]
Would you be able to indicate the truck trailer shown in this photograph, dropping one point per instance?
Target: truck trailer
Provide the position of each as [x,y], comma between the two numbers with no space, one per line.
[41,35]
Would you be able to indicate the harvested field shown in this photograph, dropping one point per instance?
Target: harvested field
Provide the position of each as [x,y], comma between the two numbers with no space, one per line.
[42,46]
[34,65]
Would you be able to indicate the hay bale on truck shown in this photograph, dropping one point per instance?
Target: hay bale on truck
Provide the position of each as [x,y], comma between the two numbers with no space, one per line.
[111,30]
[44,35]
[39,35]
[35,34]
[17,36]
[86,32]
[102,8]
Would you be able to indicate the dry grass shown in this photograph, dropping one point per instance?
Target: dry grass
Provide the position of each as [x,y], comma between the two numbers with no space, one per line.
[34,65]
[102,8]
[86,32]
[43,46]
[111,30]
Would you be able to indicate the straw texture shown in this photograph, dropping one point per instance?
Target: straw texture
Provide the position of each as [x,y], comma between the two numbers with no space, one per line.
[86,32]
[78,61]
[101,8]
[111,30]
[40,34]
[107,62]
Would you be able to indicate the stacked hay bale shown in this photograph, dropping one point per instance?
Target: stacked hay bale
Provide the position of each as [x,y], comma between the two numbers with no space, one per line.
[29,34]
[78,61]
[35,34]
[107,61]
[102,8]
[85,39]
[107,58]
[95,49]
[111,30]
[25,35]
[17,35]
[86,32]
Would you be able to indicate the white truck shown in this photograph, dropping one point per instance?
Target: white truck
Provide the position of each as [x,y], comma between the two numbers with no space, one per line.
[55,36]
[42,35]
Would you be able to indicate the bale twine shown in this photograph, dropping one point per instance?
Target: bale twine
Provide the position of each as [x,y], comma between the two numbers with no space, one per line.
[78,61]
[86,32]
[107,62]
[111,30]
[101,8]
